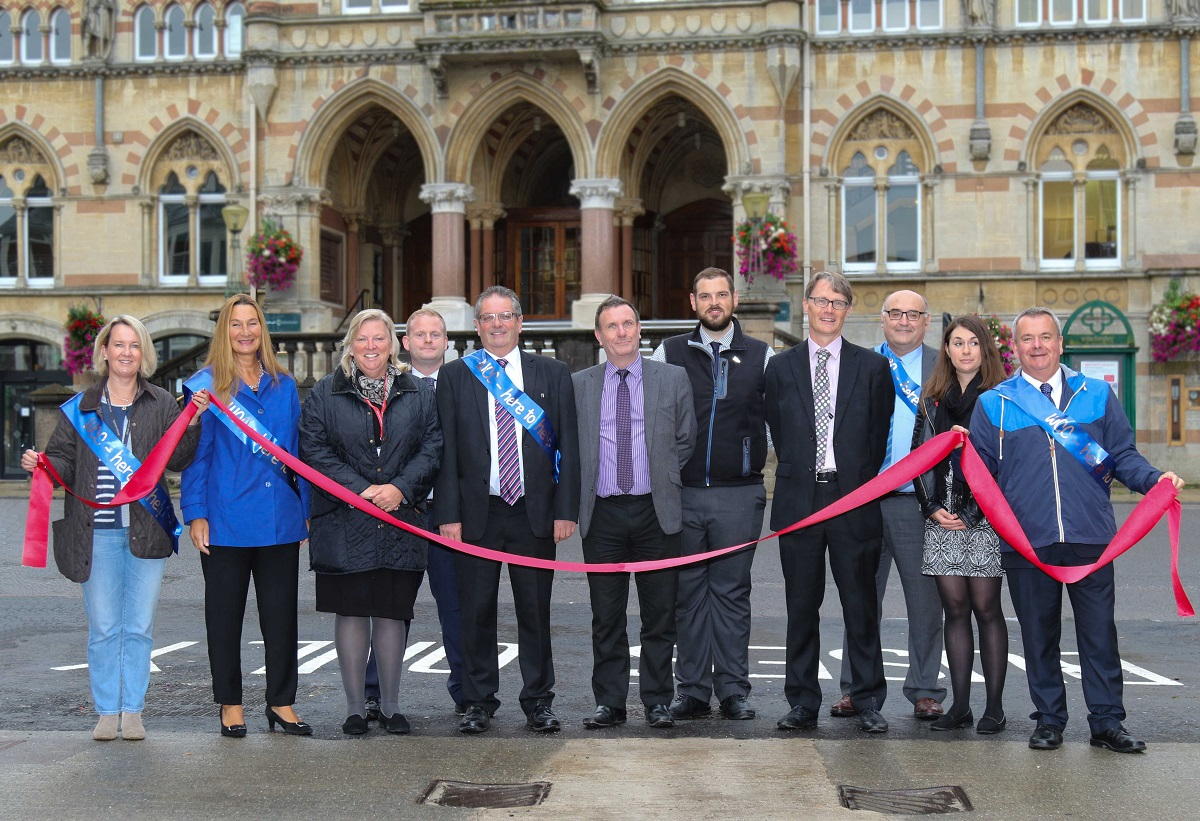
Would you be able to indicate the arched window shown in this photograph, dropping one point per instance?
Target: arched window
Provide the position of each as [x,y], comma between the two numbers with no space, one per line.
[174,230]
[175,37]
[26,235]
[39,235]
[144,34]
[211,232]
[881,202]
[191,232]
[1079,192]
[7,44]
[60,36]
[235,17]
[204,35]
[31,38]
[9,236]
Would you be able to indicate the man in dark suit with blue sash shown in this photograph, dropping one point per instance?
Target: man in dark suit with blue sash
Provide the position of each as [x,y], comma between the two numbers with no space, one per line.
[1035,431]
[510,482]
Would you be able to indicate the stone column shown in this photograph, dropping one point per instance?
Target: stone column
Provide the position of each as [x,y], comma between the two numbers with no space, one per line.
[149,243]
[833,221]
[1032,252]
[597,199]
[391,303]
[1080,219]
[628,210]
[192,201]
[353,221]
[18,205]
[1128,242]
[881,189]
[447,201]
[928,249]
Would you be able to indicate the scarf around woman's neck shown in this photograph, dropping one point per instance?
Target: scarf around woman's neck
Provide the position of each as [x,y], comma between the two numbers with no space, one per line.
[374,391]
[955,409]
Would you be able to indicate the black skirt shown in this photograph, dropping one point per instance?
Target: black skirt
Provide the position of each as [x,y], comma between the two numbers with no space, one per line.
[384,594]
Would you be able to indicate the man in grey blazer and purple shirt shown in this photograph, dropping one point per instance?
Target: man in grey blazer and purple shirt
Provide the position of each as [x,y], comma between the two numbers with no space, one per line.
[637,430]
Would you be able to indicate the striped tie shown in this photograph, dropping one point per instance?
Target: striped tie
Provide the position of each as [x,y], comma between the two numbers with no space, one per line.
[506,447]
[821,404]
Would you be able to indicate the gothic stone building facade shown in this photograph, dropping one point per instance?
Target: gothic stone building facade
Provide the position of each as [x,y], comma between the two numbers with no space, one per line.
[992,154]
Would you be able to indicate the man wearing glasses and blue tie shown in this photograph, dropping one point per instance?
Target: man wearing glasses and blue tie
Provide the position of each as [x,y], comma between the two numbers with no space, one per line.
[905,318]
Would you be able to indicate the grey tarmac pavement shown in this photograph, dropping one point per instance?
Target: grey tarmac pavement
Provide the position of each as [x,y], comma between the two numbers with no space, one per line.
[707,767]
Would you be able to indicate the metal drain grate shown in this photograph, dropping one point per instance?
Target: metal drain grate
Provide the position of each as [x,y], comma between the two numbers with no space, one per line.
[926,801]
[486,796]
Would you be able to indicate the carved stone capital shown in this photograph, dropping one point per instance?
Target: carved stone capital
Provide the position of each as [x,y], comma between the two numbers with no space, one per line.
[1185,134]
[980,140]
[778,187]
[437,71]
[97,165]
[449,197]
[628,209]
[486,213]
[290,201]
[596,193]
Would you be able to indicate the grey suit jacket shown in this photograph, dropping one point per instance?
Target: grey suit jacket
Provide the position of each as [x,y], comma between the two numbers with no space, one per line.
[670,437]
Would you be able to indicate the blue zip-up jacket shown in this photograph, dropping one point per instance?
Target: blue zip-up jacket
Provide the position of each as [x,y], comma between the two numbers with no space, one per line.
[246,502]
[1049,490]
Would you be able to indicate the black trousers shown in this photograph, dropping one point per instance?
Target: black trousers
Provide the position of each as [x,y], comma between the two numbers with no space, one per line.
[227,572]
[854,563]
[478,587]
[625,529]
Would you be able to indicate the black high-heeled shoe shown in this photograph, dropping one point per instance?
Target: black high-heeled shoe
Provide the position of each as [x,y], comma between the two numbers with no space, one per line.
[232,730]
[289,727]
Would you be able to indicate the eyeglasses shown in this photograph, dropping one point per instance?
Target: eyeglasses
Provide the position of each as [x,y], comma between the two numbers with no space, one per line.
[896,315]
[822,302]
[507,316]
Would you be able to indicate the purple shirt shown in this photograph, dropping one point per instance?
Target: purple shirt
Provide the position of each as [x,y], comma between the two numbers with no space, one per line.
[606,481]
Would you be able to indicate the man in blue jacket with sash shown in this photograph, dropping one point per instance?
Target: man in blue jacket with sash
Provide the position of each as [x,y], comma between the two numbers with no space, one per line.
[1055,440]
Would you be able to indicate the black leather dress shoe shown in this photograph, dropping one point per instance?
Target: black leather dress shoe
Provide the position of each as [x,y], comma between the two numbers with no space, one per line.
[800,718]
[475,720]
[1118,740]
[1046,737]
[395,724]
[659,716]
[737,708]
[604,716]
[541,719]
[355,725]
[460,709]
[870,721]
[689,707]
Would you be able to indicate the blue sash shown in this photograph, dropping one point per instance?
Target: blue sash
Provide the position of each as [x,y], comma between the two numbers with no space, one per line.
[1064,430]
[119,459]
[513,399]
[908,391]
[202,381]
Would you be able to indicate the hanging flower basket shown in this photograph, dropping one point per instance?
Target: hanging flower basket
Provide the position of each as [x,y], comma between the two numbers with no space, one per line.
[1003,336]
[272,258]
[1175,324]
[772,237]
[82,326]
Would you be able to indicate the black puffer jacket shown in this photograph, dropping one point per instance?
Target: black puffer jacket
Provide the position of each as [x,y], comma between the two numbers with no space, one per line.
[931,494]
[339,436]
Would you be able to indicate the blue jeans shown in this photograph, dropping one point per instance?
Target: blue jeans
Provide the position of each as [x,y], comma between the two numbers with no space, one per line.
[120,598]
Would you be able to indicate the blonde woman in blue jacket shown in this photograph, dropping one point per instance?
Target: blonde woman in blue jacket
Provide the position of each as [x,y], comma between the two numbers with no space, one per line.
[247,515]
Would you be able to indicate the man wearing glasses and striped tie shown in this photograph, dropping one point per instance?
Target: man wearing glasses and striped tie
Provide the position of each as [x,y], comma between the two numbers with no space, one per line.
[510,482]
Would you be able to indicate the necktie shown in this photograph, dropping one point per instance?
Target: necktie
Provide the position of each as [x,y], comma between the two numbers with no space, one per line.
[1047,392]
[624,436]
[430,381]
[507,456]
[821,404]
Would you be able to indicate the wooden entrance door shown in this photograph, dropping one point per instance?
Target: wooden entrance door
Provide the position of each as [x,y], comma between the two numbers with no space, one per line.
[698,235]
[545,266]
